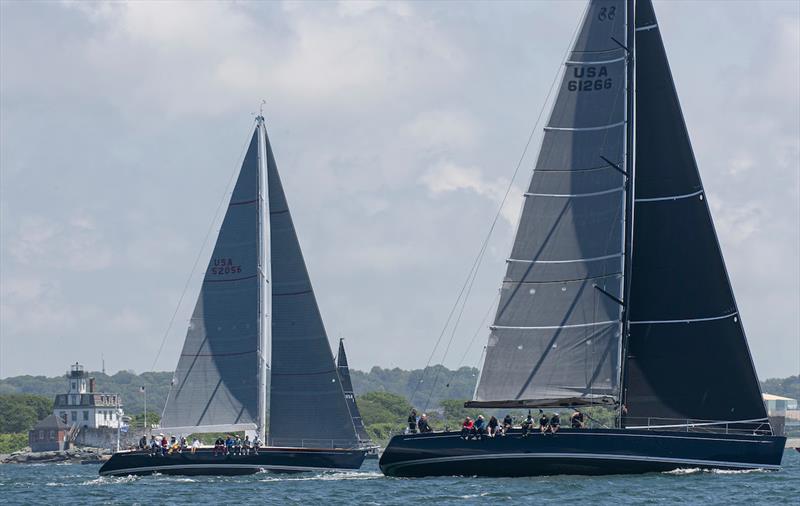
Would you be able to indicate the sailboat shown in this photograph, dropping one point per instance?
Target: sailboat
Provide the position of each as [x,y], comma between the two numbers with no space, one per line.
[347,385]
[615,293]
[256,357]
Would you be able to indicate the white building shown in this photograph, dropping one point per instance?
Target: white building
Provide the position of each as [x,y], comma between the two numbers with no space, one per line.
[84,407]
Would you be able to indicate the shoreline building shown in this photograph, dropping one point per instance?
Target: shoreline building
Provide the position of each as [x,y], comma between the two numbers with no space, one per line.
[83,407]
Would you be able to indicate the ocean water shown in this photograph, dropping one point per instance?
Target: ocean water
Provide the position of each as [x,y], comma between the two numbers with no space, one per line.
[80,484]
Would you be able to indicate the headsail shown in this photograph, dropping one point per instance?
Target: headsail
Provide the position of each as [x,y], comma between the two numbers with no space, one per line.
[349,395]
[556,336]
[306,403]
[687,353]
[215,387]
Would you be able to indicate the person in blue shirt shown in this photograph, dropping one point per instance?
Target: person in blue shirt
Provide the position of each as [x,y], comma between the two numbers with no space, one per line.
[480,427]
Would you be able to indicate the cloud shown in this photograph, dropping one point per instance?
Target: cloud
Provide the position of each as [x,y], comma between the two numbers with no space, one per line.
[445,176]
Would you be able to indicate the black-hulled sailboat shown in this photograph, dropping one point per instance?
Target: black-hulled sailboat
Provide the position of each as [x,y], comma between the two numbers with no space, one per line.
[364,440]
[616,293]
[256,356]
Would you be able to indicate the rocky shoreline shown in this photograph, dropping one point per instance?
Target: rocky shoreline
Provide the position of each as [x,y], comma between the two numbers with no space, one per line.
[73,455]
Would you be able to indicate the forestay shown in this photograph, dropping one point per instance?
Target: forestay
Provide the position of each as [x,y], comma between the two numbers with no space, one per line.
[215,386]
[555,338]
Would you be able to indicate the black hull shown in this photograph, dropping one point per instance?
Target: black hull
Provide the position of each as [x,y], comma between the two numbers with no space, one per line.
[582,452]
[204,462]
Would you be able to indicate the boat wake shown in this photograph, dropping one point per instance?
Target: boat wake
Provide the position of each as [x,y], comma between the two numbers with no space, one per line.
[326,476]
[109,480]
[697,470]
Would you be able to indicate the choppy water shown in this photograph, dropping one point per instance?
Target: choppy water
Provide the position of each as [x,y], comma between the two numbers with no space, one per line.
[79,484]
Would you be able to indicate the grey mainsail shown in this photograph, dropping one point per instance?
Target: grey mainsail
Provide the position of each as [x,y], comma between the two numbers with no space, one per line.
[306,400]
[349,395]
[215,386]
[555,335]
[687,355]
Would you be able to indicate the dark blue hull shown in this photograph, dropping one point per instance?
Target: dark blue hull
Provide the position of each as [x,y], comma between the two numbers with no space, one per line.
[204,462]
[584,452]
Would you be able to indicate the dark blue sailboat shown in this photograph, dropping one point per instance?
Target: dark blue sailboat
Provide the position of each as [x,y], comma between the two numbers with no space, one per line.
[616,293]
[256,356]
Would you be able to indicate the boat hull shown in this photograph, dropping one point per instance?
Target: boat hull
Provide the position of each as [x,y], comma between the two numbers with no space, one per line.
[582,452]
[204,462]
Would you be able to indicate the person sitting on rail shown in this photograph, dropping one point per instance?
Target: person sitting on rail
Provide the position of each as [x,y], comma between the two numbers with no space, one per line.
[142,442]
[508,424]
[423,425]
[184,445]
[164,444]
[555,422]
[228,445]
[219,447]
[492,428]
[195,445]
[412,422]
[256,444]
[246,445]
[174,446]
[155,446]
[237,445]
[480,427]
[544,422]
[467,427]
[576,420]
[527,425]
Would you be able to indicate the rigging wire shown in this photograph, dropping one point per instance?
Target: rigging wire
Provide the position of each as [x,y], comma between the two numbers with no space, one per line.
[479,257]
[200,253]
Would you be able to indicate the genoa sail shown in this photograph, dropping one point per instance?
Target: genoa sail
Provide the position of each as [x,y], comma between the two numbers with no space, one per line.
[306,400]
[687,355]
[215,385]
[349,395]
[556,334]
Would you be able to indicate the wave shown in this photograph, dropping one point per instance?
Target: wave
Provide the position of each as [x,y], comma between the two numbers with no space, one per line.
[109,480]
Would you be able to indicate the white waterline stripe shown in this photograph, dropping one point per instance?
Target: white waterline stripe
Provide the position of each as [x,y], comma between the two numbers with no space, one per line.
[601,62]
[588,456]
[648,27]
[584,129]
[565,195]
[671,197]
[577,325]
[593,259]
[129,470]
[689,320]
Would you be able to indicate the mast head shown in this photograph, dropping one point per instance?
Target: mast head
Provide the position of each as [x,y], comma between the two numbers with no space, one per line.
[260,117]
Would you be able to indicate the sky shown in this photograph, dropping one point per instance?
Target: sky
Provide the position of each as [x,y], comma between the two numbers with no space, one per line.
[396,128]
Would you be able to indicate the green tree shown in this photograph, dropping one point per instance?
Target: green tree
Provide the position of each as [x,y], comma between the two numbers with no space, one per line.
[20,412]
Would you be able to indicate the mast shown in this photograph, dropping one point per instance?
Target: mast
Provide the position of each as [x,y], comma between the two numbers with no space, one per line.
[630,43]
[264,281]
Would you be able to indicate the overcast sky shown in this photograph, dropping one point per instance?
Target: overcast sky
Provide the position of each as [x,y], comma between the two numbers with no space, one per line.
[396,128]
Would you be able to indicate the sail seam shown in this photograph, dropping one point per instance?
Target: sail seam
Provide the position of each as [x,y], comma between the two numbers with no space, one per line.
[583,129]
[591,259]
[648,27]
[688,320]
[218,354]
[228,280]
[243,202]
[599,62]
[671,197]
[291,293]
[550,327]
[570,195]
